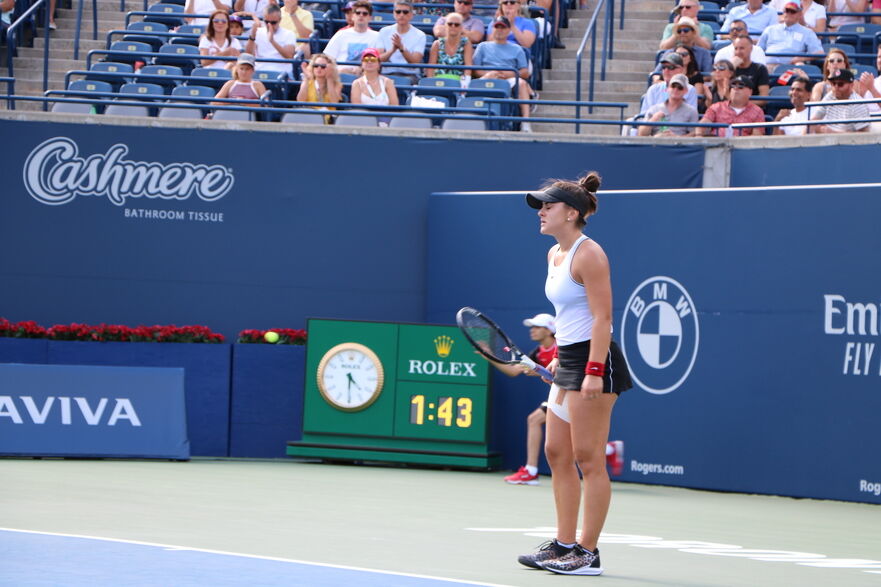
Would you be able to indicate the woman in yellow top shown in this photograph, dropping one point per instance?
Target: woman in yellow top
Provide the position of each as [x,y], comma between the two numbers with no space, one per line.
[321,82]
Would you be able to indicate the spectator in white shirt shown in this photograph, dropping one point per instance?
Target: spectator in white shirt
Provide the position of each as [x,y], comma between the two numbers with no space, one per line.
[348,44]
[270,41]
[799,92]
[402,43]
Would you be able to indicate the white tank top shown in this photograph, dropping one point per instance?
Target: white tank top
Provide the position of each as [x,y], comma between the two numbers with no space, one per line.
[574,320]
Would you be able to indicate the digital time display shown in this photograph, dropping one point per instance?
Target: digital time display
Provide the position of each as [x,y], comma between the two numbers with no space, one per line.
[446,411]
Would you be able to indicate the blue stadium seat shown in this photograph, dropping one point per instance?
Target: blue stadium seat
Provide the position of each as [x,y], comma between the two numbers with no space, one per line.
[171,15]
[189,35]
[235,115]
[128,52]
[113,69]
[407,122]
[136,91]
[167,76]
[864,33]
[441,86]
[184,56]
[84,87]
[303,117]
[463,124]
[275,82]
[490,88]
[354,120]
[209,76]
[194,92]
[141,34]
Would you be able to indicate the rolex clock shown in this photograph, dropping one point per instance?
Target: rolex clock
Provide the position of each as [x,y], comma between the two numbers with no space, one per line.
[350,377]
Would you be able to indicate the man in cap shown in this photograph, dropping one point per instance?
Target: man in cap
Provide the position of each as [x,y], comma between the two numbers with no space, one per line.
[673,109]
[497,52]
[687,9]
[755,14]
[686,36]
[737,109]
[789,37]
[842,89]
[671,64]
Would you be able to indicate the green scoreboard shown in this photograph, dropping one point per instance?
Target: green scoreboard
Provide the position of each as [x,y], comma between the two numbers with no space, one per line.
[407,393]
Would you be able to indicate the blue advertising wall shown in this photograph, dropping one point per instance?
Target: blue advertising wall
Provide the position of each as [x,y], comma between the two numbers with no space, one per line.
[834,164]
[770,298]
[72,410]
[250,230]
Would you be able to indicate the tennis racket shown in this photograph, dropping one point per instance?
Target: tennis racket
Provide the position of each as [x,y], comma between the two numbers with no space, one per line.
[490,341]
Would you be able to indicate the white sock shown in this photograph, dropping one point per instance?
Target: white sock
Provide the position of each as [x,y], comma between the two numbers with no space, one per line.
[564,545]
[531,470]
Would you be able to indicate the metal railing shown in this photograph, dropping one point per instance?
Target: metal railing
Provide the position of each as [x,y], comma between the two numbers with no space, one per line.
[79,25]
[10,91]
[608,41]
[13,32]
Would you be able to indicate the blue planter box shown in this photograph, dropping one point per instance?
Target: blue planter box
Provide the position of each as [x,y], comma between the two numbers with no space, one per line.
[206,380]
[23,350]
[267,399]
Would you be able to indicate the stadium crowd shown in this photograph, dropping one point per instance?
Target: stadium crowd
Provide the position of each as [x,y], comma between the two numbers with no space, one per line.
[752,62]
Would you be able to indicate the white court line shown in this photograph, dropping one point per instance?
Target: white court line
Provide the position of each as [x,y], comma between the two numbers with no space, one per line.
[254,556]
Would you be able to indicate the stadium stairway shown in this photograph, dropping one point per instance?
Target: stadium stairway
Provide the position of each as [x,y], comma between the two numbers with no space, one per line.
[28,65]
[626,75]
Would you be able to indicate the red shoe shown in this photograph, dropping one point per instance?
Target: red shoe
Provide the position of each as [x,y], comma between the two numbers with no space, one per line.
[615,460]
[522,477]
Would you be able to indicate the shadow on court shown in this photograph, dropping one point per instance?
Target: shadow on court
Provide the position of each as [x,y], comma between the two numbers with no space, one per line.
[228,522]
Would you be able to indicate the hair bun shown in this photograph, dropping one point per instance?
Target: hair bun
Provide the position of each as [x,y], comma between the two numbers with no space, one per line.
[591,181]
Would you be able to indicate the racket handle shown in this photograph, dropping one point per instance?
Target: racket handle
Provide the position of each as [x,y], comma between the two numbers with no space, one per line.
[527,362]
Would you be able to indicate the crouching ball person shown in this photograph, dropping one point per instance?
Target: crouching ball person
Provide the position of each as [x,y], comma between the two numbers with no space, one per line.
[589,374]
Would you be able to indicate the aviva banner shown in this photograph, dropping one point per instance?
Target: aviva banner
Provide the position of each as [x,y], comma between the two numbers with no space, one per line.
[85,411]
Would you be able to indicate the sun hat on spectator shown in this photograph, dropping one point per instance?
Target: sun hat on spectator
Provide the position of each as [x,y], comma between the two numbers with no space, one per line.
[247,59]
[673,58]
[680,79]
[542,321]
[370,51]
[684,22]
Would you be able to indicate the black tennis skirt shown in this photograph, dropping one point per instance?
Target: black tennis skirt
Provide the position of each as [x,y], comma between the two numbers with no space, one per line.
[573,360]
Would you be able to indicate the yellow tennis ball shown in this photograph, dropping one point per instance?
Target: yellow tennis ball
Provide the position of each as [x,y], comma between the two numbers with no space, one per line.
[271,337]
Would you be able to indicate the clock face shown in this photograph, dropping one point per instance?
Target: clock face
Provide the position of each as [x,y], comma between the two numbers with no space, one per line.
[350,376]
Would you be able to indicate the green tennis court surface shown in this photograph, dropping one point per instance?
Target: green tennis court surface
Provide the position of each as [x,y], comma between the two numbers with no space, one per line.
[439,524]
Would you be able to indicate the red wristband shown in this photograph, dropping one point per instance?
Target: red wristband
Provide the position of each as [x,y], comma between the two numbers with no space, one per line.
[594,368]
[556,352]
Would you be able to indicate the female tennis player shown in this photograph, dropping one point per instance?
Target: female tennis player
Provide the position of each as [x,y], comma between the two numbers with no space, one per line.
[589,374]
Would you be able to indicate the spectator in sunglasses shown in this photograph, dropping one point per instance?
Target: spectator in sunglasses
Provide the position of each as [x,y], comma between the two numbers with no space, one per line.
[218,42]
[523,29]
[673,109]
[671,65]
[835,59]
[348,44]
[321,82]
[472,27]
[813,14]
[452,49]
[738,28]
[402,43]
[743,66]
[737,109]
[267,40]
[717,89]
[842,89]
[701,60]
[689,9]
[789,37]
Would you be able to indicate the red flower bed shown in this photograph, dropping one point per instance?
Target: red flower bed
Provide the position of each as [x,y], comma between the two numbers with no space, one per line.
[110,332]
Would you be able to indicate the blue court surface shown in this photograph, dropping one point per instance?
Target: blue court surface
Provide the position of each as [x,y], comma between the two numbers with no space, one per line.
[81,560]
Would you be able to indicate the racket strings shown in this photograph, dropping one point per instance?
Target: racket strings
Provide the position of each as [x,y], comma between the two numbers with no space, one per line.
[487,337]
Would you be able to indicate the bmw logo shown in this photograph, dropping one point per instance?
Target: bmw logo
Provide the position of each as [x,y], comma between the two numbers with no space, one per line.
[660,334]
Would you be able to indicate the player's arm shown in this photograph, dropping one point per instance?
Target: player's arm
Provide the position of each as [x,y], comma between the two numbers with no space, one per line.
[591,267]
